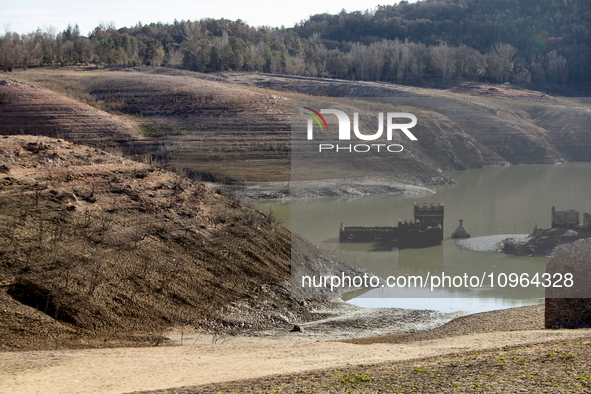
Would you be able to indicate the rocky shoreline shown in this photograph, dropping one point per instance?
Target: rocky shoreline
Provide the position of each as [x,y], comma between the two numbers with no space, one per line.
[323,320]
[335,188]
[280,312]
[543,242]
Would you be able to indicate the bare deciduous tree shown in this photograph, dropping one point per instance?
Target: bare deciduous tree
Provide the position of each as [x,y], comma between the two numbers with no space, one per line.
[376,59]
[470,63]
[254,57]
[501,61]
[357,59]
[296,65]
[444,59]
[11,50]
[556,66]
[195,47]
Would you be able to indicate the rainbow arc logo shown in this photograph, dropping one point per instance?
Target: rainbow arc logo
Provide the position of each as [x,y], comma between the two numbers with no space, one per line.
[316,117]
[344,121]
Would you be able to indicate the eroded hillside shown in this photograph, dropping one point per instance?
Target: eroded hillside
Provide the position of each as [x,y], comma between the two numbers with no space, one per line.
[93,243]
[28,109]
[508,124]
[235,127]
[212,131]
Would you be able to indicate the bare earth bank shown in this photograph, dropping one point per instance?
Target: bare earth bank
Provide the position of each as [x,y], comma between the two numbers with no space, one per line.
[125,370]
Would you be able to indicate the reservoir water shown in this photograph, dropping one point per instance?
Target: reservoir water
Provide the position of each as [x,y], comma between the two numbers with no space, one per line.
[491,201]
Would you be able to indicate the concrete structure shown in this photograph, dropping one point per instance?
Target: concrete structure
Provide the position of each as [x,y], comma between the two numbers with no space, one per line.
[565,219]
[461,231]
[425,230]
[587,221]
[414,234]
[570,219]
[368,234]
[430,215]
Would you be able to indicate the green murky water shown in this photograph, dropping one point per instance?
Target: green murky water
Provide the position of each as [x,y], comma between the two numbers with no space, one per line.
[494,200]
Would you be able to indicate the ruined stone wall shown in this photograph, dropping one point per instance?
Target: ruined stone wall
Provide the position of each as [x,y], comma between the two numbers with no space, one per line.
[587,221]
[565,219]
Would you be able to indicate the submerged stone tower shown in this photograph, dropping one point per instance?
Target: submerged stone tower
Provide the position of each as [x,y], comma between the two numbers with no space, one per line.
[461,231]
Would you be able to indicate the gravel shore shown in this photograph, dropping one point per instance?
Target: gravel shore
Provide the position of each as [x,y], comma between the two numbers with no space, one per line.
[490,243]
[523,318]
[504,351]
[265,191]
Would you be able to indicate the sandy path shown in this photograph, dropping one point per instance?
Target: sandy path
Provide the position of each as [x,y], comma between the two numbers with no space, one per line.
[129,369]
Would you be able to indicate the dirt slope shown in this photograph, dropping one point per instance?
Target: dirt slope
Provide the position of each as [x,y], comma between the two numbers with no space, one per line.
[509,124]
[272,367]
[27,109]
[209,130]
[235,127]
[92,243]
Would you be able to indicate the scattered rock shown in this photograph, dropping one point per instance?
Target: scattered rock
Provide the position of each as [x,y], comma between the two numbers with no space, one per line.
[68,196]
[543,242]
[36,147]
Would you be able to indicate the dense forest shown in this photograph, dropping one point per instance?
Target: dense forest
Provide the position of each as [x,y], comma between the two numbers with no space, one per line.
[431,41]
